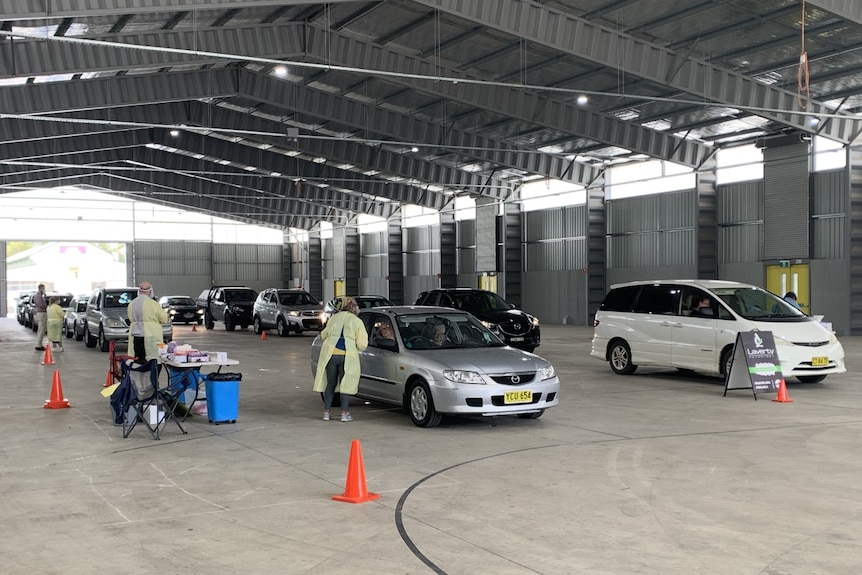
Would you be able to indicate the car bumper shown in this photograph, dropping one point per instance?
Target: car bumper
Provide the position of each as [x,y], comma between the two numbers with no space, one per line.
[526,341]
[799,360]
[122,334]
[488,400]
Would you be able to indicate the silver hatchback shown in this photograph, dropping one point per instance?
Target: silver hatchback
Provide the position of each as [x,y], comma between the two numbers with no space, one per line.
[438,361]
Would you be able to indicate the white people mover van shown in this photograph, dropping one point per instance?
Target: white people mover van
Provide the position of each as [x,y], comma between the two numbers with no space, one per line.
[692,324]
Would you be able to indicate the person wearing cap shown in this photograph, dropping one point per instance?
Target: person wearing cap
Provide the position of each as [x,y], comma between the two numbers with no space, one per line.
[338,365]
[146,317]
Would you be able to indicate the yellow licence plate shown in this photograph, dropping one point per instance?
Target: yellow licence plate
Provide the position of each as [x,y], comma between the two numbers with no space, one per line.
[819,361]
[523,396]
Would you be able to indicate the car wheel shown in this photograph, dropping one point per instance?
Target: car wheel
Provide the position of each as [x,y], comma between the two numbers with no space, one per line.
[104,344]
[258,329]
[726,361]
[810,378]
[229,325]
[89,340]
[208,321]
[66,331]
[78,335]
[282,328]
[420,405]
[535,415]
[620,357]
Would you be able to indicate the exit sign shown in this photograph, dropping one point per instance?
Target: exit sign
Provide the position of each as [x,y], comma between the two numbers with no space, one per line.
[784,263]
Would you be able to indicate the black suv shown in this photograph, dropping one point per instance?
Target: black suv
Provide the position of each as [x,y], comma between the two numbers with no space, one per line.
[231,305]
[513,326]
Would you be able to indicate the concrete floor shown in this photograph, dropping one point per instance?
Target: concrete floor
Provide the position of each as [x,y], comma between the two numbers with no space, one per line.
[650,473]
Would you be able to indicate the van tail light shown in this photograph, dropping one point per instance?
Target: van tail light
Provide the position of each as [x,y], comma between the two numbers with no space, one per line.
[596,323]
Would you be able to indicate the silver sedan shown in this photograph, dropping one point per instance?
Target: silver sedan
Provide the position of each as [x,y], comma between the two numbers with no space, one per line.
[437,362]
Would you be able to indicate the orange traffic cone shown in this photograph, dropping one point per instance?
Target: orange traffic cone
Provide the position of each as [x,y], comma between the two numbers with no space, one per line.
[57,400]
[109,379]
[194,327]
[48,359]
[782,396]
[355,491]
[263,334]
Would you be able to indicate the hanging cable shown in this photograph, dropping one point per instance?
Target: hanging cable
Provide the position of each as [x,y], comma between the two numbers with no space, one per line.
[803,88]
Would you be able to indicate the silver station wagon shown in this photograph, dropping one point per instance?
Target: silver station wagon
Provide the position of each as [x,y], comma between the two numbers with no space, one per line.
[435,362]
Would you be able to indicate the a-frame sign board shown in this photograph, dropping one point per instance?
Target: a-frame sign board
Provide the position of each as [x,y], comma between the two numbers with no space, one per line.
[755,364]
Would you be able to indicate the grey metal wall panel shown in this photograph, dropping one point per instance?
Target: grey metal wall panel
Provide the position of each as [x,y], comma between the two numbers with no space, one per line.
[740,244]
[632,215]
[422,263]
[677,248]
[556,297]
[373,243]
[829,206]
[677,209]
[741,202]
[785,202]
[831,298]
[467,262]
[466,233]
[830,238]
[511,232]
[649,273]
[745,272]
[633,251]
[373,286]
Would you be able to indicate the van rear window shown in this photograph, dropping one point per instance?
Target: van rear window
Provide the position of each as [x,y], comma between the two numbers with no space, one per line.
[657,299]
[620,299]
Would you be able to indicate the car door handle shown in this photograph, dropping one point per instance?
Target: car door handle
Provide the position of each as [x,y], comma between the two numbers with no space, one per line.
[671,324]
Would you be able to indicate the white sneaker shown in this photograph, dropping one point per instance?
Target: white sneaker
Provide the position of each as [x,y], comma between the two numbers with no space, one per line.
[325,416]
[346,417]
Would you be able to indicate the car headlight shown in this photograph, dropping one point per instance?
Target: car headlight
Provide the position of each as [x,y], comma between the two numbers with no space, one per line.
[293,313]
[459,376]
[832,338]
[780,340]
[199,312]
[491,326]
[172,312]
[534,321]
[546,372]
[236,309]
[114,322]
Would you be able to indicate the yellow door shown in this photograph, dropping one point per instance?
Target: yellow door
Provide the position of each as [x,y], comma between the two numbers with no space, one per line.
[488,282]
[780,280]
[339,287]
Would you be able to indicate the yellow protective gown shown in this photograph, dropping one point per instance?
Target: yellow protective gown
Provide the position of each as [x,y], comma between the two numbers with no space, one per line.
[151,319]
[55,316]
[355,340]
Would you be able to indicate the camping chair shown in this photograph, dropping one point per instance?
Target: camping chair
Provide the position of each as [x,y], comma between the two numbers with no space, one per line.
[140,399]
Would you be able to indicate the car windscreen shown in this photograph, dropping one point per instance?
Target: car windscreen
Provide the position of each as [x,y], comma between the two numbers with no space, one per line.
[297,298]
[65,300]
[239,295]
[378,302]
[119,298]
[180,301]
[759,305]
[458,331]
